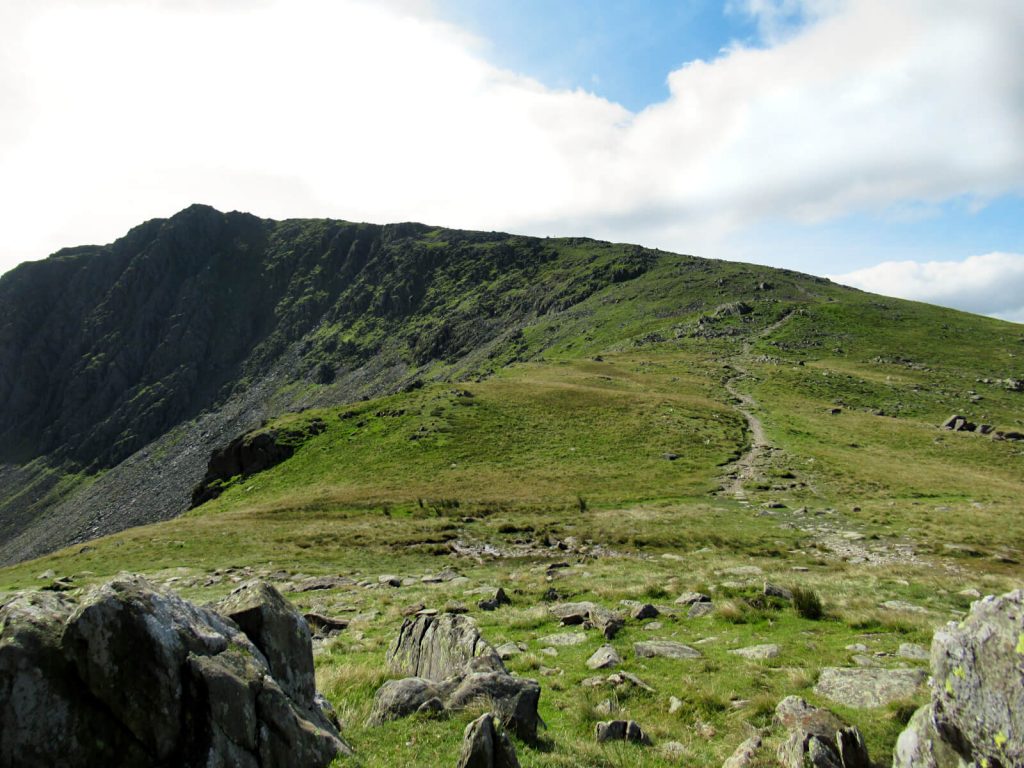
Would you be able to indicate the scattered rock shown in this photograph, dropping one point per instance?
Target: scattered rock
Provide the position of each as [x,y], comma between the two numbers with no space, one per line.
[744,754]
[817,738]
[913,651]
[564,639]
[496,601]
[621,730]
[757,652]
[508,650]
[317,583]
[773,590]
[901,605]
[644,611]
[324,626]
[689,598]
[674,704]
[604,657]
[485,745]
[672,750]
[700,609]
[668,649]
[868,687]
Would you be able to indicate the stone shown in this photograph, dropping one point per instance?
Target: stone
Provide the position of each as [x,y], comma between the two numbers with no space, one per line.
[390,580]
[757,652]
[621,730]
[590,615]
[324,626]
[913,652]
[644,611]
[868,687]
[131,674]
[604,657]
[976,710]
[700,609]
[486,745]
[672,750]
[668,649]
[506,651]
[317,583]
[279,631]
[774,590]
[674,704]
[564,639]
[513,699]
[817,738]
[743,756]
[902,605]
[400,698]
[628,679]
[689,598]
[439,647]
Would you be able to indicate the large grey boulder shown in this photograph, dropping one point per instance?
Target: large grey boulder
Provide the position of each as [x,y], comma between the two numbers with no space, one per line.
[485,745]
[868,687]
[817,738]
[130,674]
[976,712]
[279,631]
[451,667]
[440,646]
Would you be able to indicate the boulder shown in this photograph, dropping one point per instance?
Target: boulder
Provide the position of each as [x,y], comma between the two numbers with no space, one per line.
[621,730]
[439,647]
[668,649]
[644,611]
[514,699]
[485,745]
[744,754]
[604,657]
[757,652]
[279,631]
[976,711]
[868,687]
[590,615]
[130,674]
[401,698]
[817,738]
[689,598]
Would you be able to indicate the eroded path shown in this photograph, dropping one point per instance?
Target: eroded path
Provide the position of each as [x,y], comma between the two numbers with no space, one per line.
[745,469]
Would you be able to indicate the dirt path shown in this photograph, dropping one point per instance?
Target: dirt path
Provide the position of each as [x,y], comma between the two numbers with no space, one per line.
[744,469]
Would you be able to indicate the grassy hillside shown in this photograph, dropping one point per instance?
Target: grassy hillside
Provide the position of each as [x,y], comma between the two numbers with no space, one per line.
[604,435]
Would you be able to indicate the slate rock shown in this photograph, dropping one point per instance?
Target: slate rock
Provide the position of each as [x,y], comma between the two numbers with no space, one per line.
[401,698]
[644,611]
[486,745]
[757,652]
[868,687]
[621,730]
[743,756]
[513,699]
[817,738]
[439,647]
[668,649]
[689,598]
[604,657]
[279,631]
[976,711]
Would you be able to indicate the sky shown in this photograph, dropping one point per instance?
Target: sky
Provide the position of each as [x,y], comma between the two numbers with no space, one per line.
[877,142]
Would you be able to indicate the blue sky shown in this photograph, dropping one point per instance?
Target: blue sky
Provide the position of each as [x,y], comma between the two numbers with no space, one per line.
[620,50]
[879,143]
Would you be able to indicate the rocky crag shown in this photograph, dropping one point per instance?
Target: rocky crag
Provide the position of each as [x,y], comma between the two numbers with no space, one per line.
[130,674]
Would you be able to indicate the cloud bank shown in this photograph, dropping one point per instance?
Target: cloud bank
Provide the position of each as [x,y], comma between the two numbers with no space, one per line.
[991,283]
[117,111]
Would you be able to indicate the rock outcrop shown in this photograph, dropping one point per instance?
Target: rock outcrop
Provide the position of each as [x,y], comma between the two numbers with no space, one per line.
[133,675]
[451,667]
[976,712]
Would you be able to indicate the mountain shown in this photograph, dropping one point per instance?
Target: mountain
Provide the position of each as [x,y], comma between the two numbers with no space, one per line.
[377,419]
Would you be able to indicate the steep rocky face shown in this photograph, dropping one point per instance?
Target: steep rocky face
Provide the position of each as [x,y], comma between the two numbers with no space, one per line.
[200,326]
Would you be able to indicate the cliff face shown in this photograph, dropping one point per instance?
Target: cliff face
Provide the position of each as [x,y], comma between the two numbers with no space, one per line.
[119,363]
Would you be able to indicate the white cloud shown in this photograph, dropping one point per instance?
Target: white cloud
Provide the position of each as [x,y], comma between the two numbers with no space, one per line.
[117,111]
[991,283]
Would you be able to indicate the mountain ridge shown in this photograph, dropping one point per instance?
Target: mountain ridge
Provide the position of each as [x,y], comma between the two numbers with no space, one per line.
[123,367]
